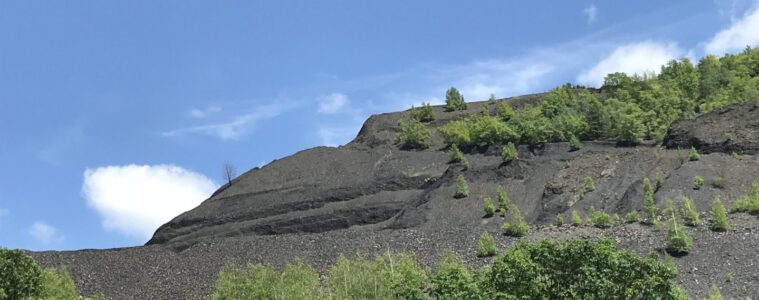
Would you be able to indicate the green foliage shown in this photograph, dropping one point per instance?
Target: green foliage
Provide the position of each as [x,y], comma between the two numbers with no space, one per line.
[57,284]
[505,112]
[648,200]
[453,281]
[488,206]
[20,276]
[631,108]
[718,182]
[714,293]
[579,269]
[423,114]
[559,220]
[599,219]
[698,182]
[454,100]
[689,212]
[407,278]
[456,133]
[486,245]
[503,199]
[576,219]
[749,203]
[518,226]
[632,217]
[413,135]
[659,182]
[509,153]
[574,143]
[678,242]
[587,185]
[457,156]
[462,189]
[694,156]
[358,279]
[719,216]
[256,281]
[728,277]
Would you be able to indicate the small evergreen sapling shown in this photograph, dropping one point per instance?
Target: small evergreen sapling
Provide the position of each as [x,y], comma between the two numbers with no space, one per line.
[576,219]
[518,226]
[462,189]
[632,217]
[486,245]
[457,156]
[509,152]
[698,182]
[559,220]
[454,100]
[488,207]
[588,185]
[694,156]
[678,242]
[574,143]
[648,200]
[423,114]
[719,216]
[503,199]
[718,182]
[689,212]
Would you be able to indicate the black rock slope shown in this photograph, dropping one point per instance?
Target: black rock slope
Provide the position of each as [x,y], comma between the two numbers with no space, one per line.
[369,196]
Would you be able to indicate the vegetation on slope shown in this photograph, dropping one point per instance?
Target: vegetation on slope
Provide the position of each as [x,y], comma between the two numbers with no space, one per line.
[577,269]
[22,278]
[628,109]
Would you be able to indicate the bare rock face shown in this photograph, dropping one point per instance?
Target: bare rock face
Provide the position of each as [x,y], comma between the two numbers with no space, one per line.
[734,128]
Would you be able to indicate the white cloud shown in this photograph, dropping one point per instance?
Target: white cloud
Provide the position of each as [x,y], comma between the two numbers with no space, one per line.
[237,127]
[135,200]
[636,58]
[590,12]
[202,113]
[332,103]
[44,233]
[742,32]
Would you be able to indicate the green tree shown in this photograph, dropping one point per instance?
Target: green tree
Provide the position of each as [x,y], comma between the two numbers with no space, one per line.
[698,182]
[719,216]
[503,199]
[462,189]
[454,100]
[576,219]
[559,220]
[678,242]
[648,200]
[694,156]
[486,245]
[574,143]
[632,217]
[489,207]
[689,212]
[518,226]
[579,269]
[457,156]
[453,281]
[423,114]
[20,276]
[587,185]
[413,135]
[509,153]
[599,219]
[505,112]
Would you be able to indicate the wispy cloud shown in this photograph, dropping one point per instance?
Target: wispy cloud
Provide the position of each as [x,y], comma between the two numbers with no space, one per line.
[635,58]
[45,233]
[590,13]
[332,103]
[238,126]
[202,113]
[741,33]
[135,200]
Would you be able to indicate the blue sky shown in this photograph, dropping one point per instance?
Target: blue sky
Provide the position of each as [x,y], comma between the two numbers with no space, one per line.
[117,116]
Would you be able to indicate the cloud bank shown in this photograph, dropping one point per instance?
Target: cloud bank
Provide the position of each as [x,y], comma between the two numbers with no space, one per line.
[332,103]
[590,12]
[134,200]
[741,33]
[635,58]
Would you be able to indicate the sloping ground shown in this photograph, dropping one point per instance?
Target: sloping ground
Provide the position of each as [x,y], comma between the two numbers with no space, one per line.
[369,196]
